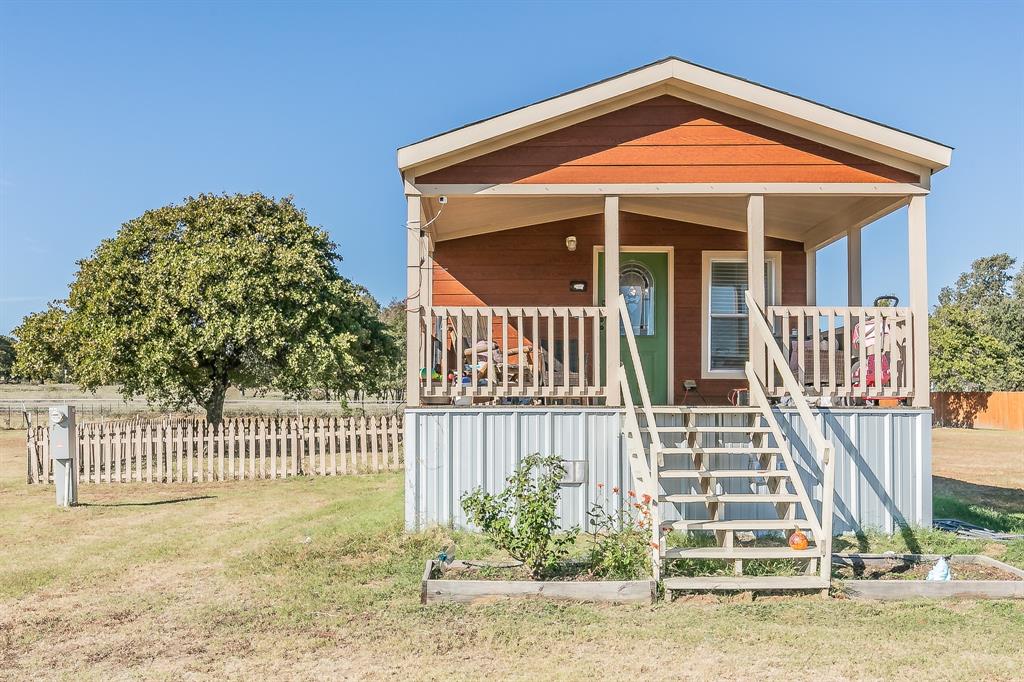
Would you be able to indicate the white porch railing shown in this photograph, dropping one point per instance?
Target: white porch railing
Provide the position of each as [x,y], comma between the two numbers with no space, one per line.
[505,351]
[856,352]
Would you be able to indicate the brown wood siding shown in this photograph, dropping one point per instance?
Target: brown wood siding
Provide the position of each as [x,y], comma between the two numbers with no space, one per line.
[531,266]
[667,139]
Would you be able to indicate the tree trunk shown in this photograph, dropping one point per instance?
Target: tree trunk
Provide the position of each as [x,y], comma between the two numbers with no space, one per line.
[214,405]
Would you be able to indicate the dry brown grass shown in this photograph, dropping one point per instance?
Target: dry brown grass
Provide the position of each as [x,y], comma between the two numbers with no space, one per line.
[312,579]
[985,467]
[985,457]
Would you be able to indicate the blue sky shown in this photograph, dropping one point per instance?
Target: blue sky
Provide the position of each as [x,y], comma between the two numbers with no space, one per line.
[109,109]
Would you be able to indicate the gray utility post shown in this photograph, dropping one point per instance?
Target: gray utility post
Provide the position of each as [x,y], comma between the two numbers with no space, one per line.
[64,453]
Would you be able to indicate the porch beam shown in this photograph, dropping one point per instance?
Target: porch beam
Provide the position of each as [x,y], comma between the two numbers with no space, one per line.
[918,275]
[811,287]
[683,189]
[413,287]
[611,294]
[854,281]
[755,277]
[861,213]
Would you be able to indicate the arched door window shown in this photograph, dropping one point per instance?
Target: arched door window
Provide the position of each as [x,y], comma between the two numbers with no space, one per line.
[636,284]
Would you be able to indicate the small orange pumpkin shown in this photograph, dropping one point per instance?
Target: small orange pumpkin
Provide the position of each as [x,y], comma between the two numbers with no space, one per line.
[798,540]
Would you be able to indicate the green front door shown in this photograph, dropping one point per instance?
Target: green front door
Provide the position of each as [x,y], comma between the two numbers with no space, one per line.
[643,280]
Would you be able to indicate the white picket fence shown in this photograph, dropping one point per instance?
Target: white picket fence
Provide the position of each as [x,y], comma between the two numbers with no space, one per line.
[184,450]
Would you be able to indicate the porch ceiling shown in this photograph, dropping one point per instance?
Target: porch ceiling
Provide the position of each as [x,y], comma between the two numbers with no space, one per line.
[814,220]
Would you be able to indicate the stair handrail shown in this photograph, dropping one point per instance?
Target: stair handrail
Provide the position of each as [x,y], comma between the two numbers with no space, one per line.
[760,330]
[764,333]
[652,429]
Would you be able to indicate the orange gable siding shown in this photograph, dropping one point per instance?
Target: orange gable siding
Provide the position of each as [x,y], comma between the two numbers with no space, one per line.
[667,139]
[530,266]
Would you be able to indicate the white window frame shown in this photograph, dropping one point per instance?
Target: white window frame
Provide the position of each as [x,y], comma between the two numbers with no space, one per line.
[773,257]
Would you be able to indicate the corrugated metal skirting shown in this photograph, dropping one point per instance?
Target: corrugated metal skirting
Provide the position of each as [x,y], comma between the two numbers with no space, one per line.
[883,465]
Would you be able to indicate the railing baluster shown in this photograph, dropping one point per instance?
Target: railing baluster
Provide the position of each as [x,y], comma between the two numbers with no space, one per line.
[474,321]
[505,368]
[816,350]
[565,350]
[876,389]
[581,346]
[802,345]
[490,352]
[537,366]
[831,351]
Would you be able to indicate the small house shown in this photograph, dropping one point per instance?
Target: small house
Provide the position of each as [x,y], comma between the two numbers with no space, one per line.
[624,275]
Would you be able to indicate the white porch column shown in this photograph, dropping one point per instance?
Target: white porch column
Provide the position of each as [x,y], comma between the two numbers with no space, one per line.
[918,273]
[611,298]
[755,276]
[413,288]
[811,257]
[854,287]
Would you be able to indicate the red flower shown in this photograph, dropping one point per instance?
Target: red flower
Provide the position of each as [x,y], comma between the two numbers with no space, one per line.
[632,493]
[615,489]
[646,498]
[600,486]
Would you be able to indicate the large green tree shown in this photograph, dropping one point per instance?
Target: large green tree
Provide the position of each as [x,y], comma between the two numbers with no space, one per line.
[187,300]
[43,345]
[977,329]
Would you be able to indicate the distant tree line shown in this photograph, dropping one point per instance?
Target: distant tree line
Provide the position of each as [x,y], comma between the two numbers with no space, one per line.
[222,290]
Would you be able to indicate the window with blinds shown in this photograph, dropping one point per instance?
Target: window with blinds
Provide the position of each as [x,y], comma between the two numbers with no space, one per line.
[727,311]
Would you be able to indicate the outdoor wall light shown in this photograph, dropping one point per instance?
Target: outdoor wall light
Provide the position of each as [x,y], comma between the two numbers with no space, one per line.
[570,242]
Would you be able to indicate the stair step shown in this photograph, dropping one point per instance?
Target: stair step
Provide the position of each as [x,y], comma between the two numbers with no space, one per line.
[723,473]
[740,553]
[720,451]
[745,583]
[740,524]
[730,497]
[709,429]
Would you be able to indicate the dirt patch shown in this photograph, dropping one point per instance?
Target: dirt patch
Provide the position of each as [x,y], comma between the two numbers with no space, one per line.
[568,572]
[895,569]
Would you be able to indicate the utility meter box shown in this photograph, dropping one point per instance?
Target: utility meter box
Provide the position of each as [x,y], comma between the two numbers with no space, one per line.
[62,421]
[64,453]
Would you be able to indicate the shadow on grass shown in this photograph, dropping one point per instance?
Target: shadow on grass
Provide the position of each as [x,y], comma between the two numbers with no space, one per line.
[862,543]
[149,504]
[1001,500]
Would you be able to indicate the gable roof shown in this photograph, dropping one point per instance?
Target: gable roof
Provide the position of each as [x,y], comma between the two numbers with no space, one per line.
[690,81]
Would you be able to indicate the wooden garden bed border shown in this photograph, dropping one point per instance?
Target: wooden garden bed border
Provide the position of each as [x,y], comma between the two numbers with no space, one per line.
[435,589]
[912,589]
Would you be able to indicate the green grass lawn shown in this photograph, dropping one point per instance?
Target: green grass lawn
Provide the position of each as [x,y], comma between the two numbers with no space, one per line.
[315,578]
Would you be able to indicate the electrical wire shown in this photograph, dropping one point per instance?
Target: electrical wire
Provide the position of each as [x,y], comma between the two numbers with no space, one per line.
[422,256]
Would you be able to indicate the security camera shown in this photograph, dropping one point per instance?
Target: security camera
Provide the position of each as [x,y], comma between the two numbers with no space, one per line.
[442,199]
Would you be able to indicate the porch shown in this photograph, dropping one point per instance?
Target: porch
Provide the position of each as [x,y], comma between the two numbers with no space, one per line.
[506,307]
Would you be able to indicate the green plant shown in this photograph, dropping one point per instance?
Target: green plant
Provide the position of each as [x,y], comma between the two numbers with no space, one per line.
[621,541]
[522,519]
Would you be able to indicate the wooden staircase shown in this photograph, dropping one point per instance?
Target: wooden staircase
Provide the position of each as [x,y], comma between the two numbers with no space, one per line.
[727,474]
